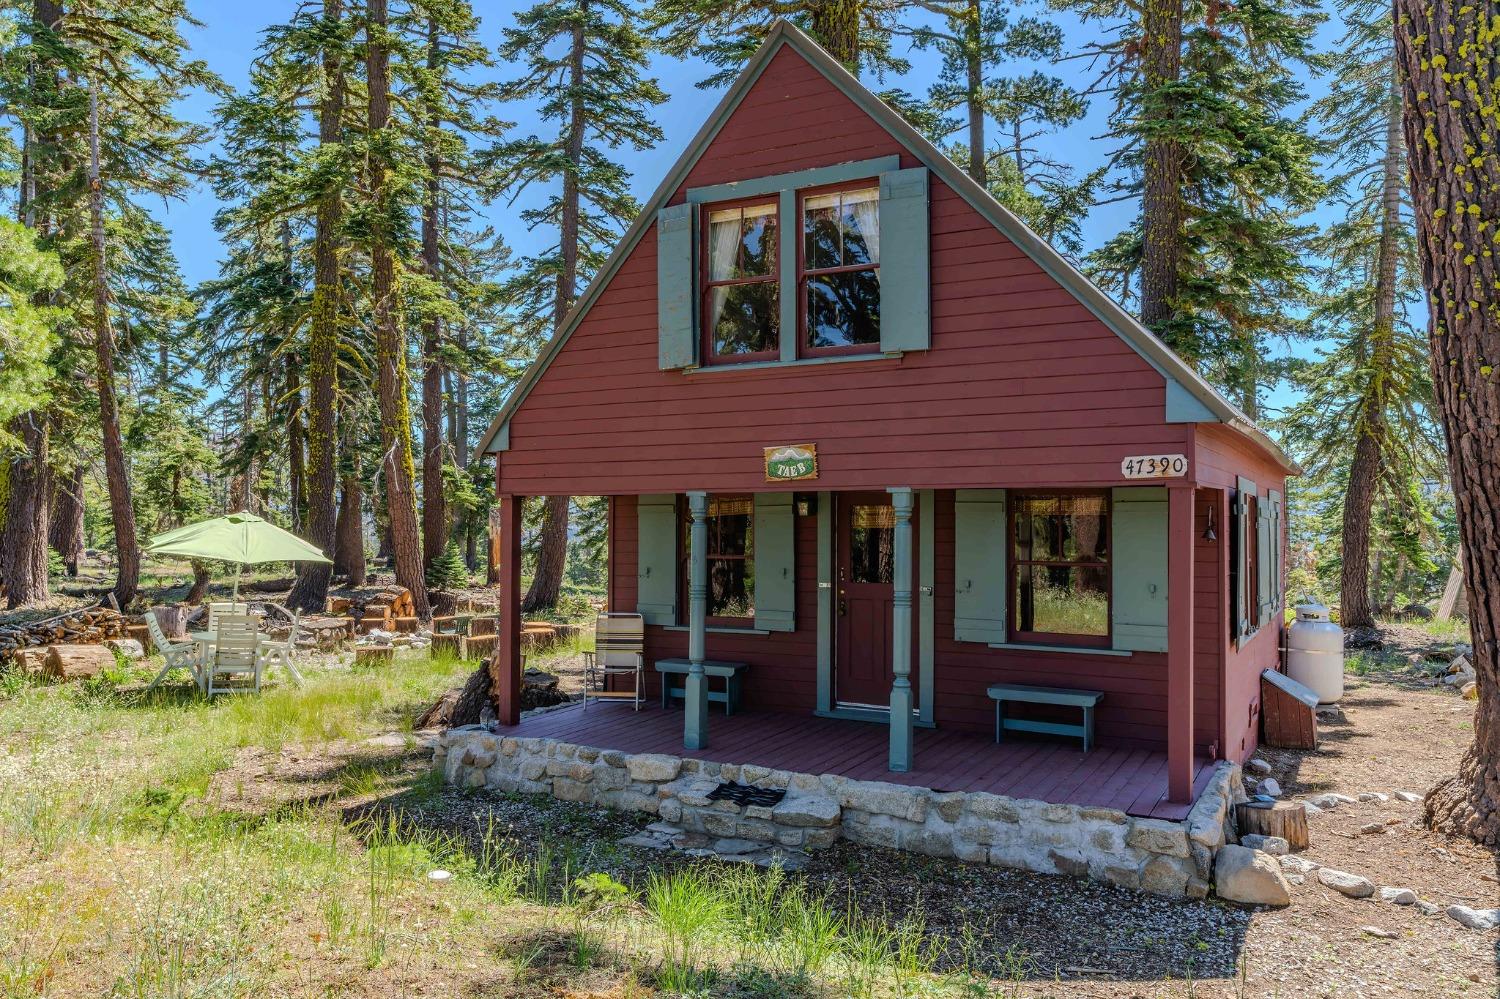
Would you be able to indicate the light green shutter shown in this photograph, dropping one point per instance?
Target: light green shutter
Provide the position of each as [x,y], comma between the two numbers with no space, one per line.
[656,566]
[1241,615]
[1278,527]
[1138,561]
[677,339]
[905,287]
[979,560]
[775,565]
[1264,548]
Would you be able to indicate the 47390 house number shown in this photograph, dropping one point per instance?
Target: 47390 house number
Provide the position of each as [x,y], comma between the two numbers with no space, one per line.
[1154,466]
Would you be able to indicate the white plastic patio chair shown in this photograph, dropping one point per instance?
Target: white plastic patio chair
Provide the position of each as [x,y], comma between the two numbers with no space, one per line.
[235,653]
[224,607]
[178,655]
[282,653]
[619,650]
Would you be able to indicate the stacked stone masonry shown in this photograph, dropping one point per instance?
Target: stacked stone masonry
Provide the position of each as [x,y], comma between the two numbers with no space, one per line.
[1162,857]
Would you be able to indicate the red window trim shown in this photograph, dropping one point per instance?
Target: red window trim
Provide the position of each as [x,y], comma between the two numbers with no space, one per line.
[706,333]
[804,349]
[1012,574]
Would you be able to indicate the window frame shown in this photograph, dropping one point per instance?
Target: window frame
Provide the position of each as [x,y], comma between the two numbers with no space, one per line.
[804,349]
[685,568]
[706,285]
[1014,634]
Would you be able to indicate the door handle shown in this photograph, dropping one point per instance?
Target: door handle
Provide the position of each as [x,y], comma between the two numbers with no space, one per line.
[843,607]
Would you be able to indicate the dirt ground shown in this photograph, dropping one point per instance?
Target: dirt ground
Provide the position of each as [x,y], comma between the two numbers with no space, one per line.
[1038,935]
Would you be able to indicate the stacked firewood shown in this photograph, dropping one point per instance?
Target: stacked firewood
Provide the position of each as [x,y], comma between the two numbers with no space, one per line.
[376,607]
[88,626]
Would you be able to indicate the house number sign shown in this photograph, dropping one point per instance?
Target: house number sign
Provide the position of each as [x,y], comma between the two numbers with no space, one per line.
[790,462]
[1154,466]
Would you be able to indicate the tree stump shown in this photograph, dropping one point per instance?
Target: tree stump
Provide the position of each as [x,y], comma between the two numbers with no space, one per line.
[373,655]
[447,644]
[173,620]
[479,646]
[1287,819]
[75,662]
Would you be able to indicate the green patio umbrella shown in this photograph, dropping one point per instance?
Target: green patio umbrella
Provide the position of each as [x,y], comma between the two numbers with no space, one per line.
[241,538]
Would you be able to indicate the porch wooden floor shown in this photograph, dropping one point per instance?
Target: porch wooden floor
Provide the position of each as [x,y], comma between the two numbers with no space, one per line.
[1132,780]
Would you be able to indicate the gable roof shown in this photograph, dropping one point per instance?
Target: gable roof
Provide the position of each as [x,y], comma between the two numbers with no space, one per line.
[1190,398]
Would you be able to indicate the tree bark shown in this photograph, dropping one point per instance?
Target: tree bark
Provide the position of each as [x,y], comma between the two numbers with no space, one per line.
[390,347]
[310,592]
[65,534]
[23,542]
[1161,203]
[835,24]
[199,588]
[122,510]
[1442,51]
[1355,607]
[551,559]
[349,552]
[973,33]
[434,499]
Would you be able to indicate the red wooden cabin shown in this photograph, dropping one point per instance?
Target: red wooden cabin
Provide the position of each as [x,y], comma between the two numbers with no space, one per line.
[1013,481]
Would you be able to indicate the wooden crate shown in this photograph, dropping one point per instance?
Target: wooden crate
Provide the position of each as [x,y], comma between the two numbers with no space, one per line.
[1288,713]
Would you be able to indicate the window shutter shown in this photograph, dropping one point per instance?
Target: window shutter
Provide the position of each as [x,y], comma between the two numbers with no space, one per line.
[1138,564]
[1241,610]
[775,567]
[905,291]
[979,560]
[1278,526]
[656,559]
[677,340]
[1265,545]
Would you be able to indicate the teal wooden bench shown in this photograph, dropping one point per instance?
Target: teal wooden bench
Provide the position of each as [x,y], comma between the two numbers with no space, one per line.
[727,671]
[1085,699]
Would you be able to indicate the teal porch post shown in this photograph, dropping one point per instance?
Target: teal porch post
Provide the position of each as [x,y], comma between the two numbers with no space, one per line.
[901,692]
[695,701]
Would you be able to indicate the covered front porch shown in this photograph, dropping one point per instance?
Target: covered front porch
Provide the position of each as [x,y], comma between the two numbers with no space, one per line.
[1133,781]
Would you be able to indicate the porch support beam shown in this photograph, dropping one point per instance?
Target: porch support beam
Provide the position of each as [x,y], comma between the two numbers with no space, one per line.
[505,666]
[1180,535]
[695,700]
[902,700]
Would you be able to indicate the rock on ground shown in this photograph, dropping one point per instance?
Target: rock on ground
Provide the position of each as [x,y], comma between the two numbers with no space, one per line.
[1398,896]
[1250,876]
[1475,919]
[1352,885]
[1276,846]
[1258,766]
[1408,796]
[1269,787]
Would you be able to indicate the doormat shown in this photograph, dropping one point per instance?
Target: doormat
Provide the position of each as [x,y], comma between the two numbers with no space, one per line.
[745,795]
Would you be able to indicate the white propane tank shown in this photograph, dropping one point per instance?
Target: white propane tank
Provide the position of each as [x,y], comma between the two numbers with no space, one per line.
[1315,652]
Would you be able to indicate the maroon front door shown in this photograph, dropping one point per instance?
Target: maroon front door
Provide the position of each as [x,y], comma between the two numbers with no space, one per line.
[866,532]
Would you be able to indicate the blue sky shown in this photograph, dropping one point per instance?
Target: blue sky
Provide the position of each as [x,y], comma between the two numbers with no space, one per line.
[231,31]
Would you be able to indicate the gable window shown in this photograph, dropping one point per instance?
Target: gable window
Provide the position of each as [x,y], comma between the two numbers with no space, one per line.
[731,558]
[742,296]
[840,278]
[1060,568]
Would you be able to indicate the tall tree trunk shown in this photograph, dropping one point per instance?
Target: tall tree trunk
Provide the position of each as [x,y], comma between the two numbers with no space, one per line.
[1442,49]
[23,540]
[552,555]
[349,552]
[199,589]
[65,534]
[1162,210]
[434,499]
[295,454]
[973,35]
[835,24]
[1355,607]
[122,511]
[310,592]
[399,475]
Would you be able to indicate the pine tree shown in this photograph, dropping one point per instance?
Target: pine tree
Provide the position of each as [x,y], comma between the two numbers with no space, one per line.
[448,570]
[585,64]
[1373,386]
[1445,62]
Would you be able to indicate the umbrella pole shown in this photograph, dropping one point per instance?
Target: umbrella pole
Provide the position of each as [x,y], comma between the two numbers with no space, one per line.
[238,568]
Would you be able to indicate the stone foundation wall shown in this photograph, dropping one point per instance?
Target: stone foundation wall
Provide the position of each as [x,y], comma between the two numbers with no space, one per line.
[1152,855]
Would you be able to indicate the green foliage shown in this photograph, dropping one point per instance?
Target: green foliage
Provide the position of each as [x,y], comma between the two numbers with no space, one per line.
[27,334]
[448,570]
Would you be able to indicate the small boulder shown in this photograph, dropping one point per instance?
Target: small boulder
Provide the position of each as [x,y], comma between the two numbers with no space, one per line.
[1398,896]
[1299,865]
[1276,846]
[1372,828]
[1408,796]
[1352,885]
[1269,787]
[1249,876]
[1475,919]
[1470,691]
[128,647]
[1373,796]
[1376,931]
[1256,765]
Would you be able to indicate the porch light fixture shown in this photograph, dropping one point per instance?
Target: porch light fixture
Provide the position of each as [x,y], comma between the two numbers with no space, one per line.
[807,504]
[1209,534]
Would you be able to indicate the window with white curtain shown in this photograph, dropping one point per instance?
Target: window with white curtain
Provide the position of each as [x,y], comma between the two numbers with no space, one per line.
[742,301]
[840,272]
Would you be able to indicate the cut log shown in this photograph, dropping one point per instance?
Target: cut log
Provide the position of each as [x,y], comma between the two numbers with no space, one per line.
[339,605]
[407,625]
[488,624]
[77,662]
[1288,713]
[1287,819]
[172,618]
[449,644]
[32,662]
[479,646]
[374,655]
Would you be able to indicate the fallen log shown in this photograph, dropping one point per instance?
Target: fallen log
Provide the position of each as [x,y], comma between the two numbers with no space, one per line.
[77,662]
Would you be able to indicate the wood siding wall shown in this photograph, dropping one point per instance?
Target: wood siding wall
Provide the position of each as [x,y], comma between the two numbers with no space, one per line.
[783,674]
[1022,386]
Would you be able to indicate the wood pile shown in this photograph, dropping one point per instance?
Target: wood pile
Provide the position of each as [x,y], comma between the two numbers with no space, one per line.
[86,626]
[374,607]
